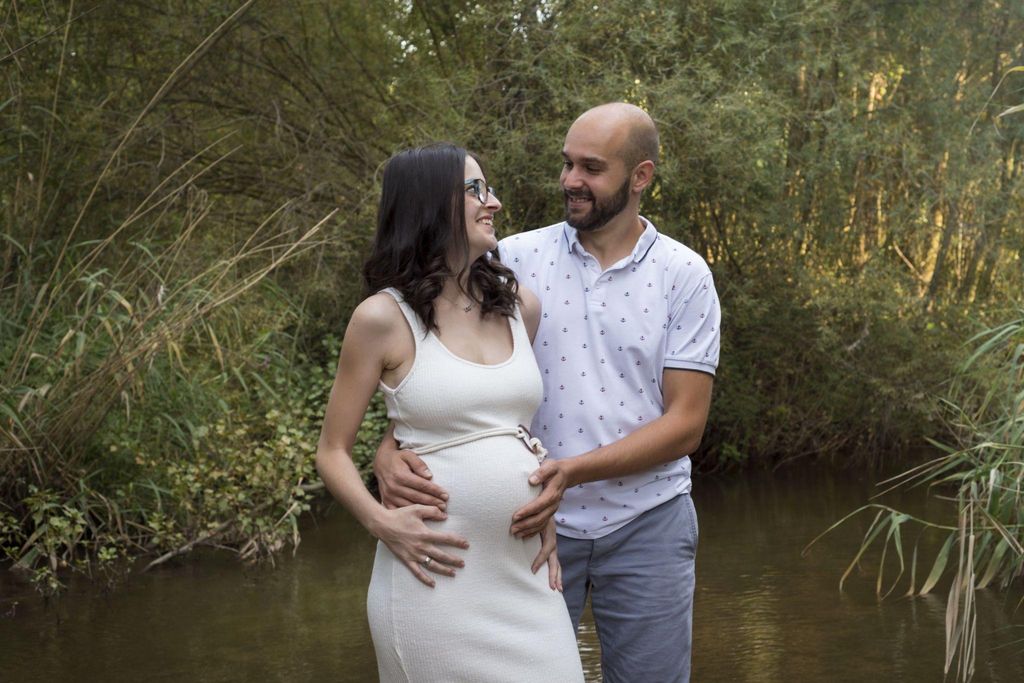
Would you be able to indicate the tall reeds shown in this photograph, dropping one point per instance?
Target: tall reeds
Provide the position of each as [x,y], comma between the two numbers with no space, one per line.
[132,410]
[981,472]
[82,337]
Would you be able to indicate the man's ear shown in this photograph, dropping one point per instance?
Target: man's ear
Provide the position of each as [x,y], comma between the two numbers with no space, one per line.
[643,174]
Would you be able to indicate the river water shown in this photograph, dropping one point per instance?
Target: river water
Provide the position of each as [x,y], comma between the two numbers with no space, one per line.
[763,612]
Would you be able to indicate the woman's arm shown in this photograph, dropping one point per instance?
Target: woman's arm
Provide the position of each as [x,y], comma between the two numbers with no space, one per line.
[365,353]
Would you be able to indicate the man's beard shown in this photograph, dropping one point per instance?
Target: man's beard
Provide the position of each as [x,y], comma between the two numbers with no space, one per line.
[601,212]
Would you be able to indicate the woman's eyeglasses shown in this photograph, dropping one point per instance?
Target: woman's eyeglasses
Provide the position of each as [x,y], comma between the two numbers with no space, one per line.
[479,188]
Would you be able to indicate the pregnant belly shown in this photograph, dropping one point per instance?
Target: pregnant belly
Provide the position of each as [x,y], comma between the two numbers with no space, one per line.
[486,481]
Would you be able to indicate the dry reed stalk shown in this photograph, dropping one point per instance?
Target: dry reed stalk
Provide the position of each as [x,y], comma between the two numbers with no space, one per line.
[53,286]
[88,397]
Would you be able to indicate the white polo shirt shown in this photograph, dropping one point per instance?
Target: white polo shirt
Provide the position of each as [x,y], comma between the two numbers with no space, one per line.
[605,338]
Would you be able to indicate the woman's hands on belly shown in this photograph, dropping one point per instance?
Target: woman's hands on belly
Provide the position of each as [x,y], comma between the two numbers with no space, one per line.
[409,539]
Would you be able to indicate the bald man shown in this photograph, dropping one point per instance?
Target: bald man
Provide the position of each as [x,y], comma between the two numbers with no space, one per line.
[627,347]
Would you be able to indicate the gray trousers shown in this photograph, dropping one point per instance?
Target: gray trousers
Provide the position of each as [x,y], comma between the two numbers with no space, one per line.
[640,580]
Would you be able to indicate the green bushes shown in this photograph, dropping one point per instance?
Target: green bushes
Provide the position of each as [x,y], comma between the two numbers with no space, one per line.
[148,410]
[198,453]
[135,419]
[827,366]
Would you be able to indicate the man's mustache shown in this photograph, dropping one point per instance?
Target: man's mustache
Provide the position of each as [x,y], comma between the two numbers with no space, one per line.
[577,194]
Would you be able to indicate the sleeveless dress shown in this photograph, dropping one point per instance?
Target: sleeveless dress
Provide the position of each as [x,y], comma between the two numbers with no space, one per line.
[495,620]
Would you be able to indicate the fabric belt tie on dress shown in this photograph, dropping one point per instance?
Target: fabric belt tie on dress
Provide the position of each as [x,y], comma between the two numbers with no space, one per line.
[520,432]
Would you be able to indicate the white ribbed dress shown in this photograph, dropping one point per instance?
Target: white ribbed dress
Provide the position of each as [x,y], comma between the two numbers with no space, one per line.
[495,620]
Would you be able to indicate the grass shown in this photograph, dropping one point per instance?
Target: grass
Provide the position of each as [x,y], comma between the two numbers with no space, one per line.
[88,337]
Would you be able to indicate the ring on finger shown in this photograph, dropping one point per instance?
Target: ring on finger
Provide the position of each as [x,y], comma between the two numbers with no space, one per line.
[426,562]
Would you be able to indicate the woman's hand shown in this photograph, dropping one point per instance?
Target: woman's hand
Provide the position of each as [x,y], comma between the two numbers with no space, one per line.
[549,553]
[414,543]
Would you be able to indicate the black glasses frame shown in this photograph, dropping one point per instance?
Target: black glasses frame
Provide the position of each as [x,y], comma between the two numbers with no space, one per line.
[482,190]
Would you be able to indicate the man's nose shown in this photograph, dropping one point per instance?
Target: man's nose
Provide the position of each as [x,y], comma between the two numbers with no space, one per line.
[571,179]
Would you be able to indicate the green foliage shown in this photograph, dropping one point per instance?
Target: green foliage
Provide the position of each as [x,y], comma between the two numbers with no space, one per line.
[846,168]
[826,365]
[223,457]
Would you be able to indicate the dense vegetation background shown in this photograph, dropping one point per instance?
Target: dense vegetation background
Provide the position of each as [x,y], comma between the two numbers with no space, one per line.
[188,187]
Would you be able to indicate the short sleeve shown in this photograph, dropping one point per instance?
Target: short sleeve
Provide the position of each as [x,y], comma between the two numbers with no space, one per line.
[508,252]
[694,327]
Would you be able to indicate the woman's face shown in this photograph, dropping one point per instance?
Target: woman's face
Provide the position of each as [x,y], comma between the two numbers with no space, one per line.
[479,214]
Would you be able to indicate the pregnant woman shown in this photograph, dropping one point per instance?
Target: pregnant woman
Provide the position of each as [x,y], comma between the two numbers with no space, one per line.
[446,337]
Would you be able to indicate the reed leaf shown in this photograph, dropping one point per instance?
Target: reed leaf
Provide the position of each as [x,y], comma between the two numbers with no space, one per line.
[983,410]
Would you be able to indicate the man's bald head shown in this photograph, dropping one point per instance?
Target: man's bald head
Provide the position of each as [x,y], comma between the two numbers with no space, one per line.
[630,126]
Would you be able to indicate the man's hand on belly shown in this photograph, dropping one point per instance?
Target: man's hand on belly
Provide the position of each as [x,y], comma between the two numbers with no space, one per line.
[404,479]
[532,517]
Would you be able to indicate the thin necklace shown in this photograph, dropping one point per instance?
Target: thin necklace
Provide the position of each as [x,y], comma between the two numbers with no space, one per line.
[465,309]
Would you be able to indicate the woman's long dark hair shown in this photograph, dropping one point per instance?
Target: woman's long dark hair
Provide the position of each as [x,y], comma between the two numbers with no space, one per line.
[420,220]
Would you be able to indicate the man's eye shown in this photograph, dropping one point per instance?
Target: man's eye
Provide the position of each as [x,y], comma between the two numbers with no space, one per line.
[593,169]
[567,164]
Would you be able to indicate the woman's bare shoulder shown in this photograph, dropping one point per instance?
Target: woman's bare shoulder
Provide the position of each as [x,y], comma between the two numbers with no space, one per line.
[376,315]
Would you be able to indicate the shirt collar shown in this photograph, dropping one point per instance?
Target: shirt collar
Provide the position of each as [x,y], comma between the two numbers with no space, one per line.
[643,245]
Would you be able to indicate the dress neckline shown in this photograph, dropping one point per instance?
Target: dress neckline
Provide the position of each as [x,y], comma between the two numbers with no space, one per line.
[501,364]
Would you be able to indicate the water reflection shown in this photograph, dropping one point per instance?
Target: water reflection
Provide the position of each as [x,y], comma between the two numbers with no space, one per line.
[762,612]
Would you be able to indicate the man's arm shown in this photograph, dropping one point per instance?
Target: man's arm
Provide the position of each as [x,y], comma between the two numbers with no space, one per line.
[678,431]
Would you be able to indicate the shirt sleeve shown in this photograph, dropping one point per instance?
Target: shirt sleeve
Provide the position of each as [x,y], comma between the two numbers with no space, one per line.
[694,327]
[508,253]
